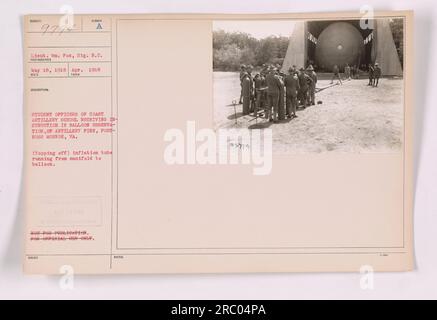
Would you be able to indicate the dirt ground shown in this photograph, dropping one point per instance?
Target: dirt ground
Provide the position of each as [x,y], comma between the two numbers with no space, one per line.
[353,117]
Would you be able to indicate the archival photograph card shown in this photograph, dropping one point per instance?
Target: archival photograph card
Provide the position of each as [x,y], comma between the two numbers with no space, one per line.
[218,143]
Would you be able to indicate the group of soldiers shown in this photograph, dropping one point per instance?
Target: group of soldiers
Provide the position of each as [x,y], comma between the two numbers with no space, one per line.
[277,94]
[350,72]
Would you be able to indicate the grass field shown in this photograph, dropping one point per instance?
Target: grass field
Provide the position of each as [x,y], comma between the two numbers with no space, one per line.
[353,117]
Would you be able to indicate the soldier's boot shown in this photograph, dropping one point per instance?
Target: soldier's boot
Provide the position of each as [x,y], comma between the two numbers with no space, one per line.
[275,113]
[267,113]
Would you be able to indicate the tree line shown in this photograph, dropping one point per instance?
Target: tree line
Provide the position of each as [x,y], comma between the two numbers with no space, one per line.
[397,30]
[231,49]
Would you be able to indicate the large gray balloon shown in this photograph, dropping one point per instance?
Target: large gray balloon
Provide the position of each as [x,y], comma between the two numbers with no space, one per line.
[338,44]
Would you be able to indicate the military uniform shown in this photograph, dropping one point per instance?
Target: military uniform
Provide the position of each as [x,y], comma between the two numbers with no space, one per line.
[347,72]
[371,75]
[303,83]
[281,102]
[292,87]
[246,93]
[377,75]
[264,70]
[252,96]
[353,72]
[312,85]
[260,91]
[336,74]
[242,73]
[273,91]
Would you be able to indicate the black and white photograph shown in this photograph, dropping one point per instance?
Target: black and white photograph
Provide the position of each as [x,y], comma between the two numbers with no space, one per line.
[219,159]
[321,86]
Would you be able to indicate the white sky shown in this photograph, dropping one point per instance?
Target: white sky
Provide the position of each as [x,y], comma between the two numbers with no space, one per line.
[258,29]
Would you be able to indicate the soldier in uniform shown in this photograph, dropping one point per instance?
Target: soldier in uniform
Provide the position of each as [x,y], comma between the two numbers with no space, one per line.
[246,92]
[264,69]
[260,90]
[304,80]
[347,71]
[249,70]
[273,91]
[354,70]
[377,74]
[312,85]
[281,102]
[336,74]
[292,87]
[371,74]
[242,72]
[265,73]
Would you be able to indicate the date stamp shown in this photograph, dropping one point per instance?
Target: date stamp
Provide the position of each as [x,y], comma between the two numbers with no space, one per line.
[68,211]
